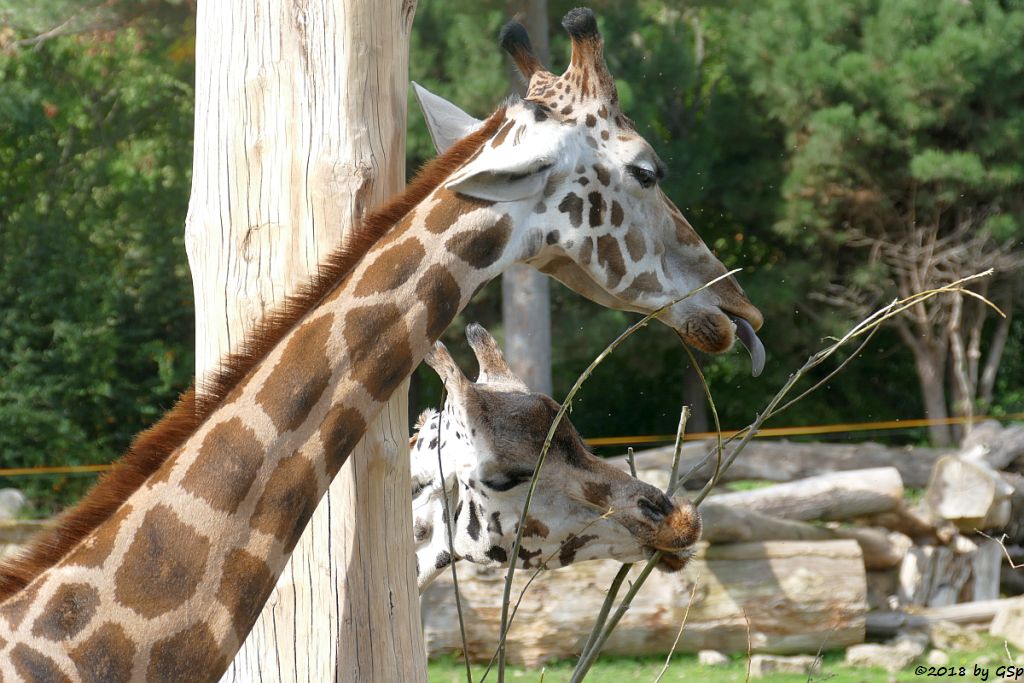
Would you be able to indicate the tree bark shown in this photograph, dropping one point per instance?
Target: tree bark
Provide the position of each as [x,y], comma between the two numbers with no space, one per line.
[525,292]
[300,124]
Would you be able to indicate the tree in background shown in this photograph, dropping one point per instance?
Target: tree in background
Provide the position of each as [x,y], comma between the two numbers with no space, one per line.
[903,127]
[95,325]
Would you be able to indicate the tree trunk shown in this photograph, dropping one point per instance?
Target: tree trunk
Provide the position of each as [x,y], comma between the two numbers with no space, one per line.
[300,123]
[930,372]
[525,292]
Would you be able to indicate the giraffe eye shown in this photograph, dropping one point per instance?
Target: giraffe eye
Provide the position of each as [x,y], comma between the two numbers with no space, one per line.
[645,176]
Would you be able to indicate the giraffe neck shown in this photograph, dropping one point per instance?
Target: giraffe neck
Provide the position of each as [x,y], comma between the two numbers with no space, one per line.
[172,582]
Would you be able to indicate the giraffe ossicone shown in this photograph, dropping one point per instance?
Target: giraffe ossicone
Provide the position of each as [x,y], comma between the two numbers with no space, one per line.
[162,569]
[475,457]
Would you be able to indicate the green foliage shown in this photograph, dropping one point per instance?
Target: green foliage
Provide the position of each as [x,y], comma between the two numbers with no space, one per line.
[96,327]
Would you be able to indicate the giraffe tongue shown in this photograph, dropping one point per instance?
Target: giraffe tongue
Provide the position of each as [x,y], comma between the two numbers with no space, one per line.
[749,339]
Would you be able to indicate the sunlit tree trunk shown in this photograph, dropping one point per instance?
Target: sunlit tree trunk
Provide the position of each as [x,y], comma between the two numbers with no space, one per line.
[300,128]
[525,293]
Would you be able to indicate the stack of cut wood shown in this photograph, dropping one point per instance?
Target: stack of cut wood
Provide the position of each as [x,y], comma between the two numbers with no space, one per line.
[849,542]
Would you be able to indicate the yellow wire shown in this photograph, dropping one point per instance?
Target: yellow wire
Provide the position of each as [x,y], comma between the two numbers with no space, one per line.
[647,438]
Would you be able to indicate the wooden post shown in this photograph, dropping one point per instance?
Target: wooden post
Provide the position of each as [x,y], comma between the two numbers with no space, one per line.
[300,128]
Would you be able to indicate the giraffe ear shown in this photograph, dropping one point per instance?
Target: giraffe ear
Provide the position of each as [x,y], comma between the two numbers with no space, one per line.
[508,172]
[446,123]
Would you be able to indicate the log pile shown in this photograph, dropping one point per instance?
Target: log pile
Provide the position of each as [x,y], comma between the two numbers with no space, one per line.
[830,548]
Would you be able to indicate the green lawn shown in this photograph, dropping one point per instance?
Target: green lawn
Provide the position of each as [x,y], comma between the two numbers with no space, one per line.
[684,667]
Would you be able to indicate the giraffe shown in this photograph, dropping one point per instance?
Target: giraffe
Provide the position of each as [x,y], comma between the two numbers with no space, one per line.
[159,573]
[477,455]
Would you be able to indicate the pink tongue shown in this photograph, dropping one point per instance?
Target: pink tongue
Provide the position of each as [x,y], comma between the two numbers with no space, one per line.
[754,347]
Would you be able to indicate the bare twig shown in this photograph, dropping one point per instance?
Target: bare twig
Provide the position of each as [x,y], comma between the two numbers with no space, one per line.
[448,524]
[679,633]
[684,417]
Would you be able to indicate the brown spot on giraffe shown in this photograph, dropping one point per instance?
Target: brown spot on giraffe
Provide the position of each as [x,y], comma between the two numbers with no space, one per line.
[106,656]
[340,432]
[571,545]
[591,121]
[603,176]
[535,527]
[288,502]
[610,256]
[449,208]
[481,248]
[68,611]
[617,214]
[597,493]
[597,208]
[245,584]
[392,268]
[300,377]
[439,292]
[190,654]
[572,205]
[635,243]
[33,665]
[586,250]
[227,464]
[502,134]
[644,283]
[165,550]
[378,345]
[94,550]
[14,610]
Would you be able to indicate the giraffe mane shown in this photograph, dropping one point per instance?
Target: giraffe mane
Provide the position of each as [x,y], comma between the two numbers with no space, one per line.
[151,448]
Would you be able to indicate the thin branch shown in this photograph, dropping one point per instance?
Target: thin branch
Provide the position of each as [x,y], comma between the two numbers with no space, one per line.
[547,446]
[448,524]
[679,633]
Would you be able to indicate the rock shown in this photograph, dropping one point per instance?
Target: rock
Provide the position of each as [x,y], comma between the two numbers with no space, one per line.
[767,665]
[945,635]
[892,656]
[937,658]
[1009,623]
[11,502]
[712,658]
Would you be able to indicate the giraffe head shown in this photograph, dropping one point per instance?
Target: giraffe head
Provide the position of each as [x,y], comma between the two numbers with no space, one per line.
[584,185]
[481,451]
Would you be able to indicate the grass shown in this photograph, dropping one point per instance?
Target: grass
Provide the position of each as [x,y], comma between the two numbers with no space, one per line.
[684,667]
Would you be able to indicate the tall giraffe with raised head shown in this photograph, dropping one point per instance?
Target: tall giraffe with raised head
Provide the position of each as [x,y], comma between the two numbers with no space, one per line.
[472,463]
[163,568]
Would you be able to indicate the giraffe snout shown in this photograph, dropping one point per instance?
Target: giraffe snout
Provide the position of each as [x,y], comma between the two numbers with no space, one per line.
[680,529]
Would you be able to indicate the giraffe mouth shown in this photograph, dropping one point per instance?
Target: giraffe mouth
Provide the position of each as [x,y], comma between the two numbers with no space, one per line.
[672,560]
[745,333]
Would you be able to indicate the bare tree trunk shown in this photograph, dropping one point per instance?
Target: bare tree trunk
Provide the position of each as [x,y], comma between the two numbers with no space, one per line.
[300,122]
[930,364]
[525,293]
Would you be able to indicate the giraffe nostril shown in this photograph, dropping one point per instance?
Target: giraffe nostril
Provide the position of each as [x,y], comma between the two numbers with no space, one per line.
[651,510]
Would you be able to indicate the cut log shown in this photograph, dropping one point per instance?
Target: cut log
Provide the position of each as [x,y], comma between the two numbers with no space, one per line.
[882,549]
[837,496]
[912,522]
[798,597]
[1009,622]
[968,493]
[1000,447]
[888,624]
[937,576]
[784,461]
